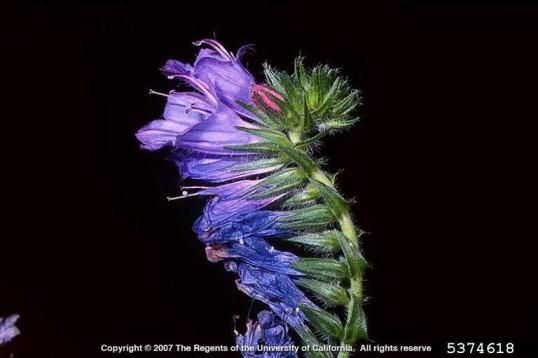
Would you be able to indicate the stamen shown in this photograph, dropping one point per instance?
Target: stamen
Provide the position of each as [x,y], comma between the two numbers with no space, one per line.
[241,241]
[184,194]
[158,93]
[193,187]
[272,249]
[216,46]
[201,86]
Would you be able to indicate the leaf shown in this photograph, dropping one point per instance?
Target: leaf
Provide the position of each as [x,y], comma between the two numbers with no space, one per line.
[355,322]
[324,321]
[336,203]
[350,254]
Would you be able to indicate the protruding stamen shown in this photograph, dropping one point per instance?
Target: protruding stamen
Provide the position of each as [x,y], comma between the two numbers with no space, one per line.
[193,187]
[199,85]
[158,93]
[216,46]
[272,249]
[184,194]
[241,241]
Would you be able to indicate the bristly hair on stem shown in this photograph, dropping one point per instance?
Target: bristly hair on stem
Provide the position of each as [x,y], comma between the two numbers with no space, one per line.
[317,102]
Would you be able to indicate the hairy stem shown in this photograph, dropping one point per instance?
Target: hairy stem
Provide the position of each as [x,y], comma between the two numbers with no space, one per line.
[348,229]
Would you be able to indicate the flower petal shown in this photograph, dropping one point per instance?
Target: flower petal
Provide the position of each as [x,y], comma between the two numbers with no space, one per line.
[217,132]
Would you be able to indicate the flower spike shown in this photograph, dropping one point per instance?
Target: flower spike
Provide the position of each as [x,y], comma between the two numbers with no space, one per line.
[249,145]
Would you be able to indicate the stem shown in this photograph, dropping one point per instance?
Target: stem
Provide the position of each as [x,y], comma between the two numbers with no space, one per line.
[348,229]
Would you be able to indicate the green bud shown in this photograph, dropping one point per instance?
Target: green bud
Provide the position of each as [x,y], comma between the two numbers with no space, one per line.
[309,218]
[303,197]
[330,293]
[277,183]
[260,164]
[326,241]
[323,321]
[266,148]
[324,269]
[310,339]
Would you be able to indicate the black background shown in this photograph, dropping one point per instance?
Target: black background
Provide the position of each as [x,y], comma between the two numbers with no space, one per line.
[440,165]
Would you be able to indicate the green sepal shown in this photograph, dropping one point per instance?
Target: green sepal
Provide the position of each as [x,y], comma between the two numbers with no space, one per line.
[311,217]
[324,269]
[263,116]
[300,158]
[310,339]
[308,121]
[271,135]
[355,322]
[328,99]
[323,321]
[300,73]
[283,143]
[329,293]
[278,183]
[336,125]
[260,164]
[336,203]
[303,197]
[326,241]
[266,148]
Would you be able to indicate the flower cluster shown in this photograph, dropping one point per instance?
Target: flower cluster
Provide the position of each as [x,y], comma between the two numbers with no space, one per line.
[8,330]
[268,331]
[251,144]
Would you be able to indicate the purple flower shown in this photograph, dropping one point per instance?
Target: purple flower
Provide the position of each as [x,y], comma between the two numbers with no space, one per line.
[275,289]
[215,168]
[216,132]
[8,331]
[270,331]
[220,69]
[183,110]
[230,201]
[197,122]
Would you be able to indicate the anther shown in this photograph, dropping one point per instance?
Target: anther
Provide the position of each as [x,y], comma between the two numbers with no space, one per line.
[157,93]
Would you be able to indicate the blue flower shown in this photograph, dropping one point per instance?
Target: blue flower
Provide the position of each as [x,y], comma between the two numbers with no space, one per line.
[260,224]
[269,331]
[8,330]
[275,289]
